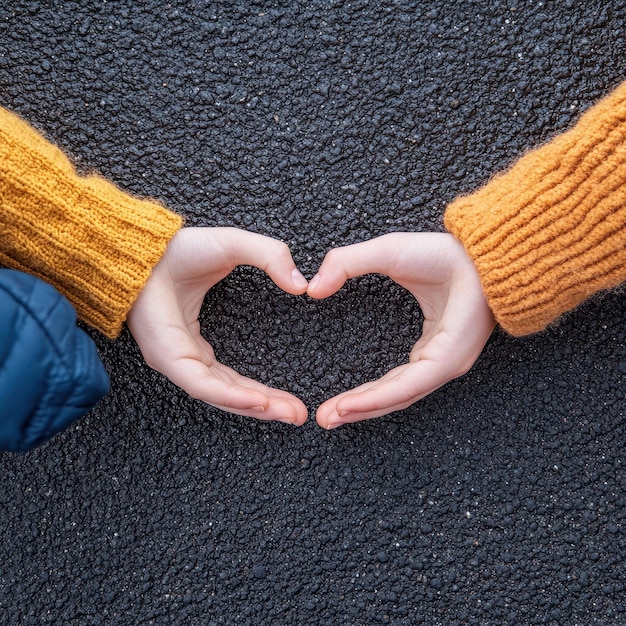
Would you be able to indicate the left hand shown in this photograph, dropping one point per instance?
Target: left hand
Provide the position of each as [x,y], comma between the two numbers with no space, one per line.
[164,318]
[435,268]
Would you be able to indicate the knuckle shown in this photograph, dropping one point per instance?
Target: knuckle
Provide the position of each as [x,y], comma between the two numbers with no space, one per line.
[463,368]
[333,256]
[150,360]
[283,249]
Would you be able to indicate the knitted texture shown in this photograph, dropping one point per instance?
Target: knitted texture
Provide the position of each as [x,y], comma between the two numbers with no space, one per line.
[551,231]
[96,244]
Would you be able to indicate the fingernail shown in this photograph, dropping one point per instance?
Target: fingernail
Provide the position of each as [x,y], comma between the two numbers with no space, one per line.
[286,420]
[333,421]
[298,279]
[257,408]
[313,283]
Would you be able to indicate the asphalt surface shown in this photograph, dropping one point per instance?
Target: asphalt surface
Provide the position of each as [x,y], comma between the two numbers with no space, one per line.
[499,499]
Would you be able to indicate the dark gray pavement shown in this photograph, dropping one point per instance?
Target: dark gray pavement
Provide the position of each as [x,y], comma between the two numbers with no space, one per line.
[499,499]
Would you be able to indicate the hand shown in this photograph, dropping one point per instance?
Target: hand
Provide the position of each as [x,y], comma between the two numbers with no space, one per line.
[457,320]
[164,319]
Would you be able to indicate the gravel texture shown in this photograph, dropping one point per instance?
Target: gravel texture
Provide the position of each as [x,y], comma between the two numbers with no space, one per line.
[499,499]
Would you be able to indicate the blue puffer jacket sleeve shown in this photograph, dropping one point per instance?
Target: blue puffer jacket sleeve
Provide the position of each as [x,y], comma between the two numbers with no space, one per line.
[50,373]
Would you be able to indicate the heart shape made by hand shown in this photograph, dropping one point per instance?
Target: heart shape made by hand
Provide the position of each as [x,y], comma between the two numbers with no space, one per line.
[433,267]
[312,348]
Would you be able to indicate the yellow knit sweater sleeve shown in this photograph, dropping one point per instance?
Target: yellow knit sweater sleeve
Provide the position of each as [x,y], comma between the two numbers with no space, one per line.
[96,244]
[551,231]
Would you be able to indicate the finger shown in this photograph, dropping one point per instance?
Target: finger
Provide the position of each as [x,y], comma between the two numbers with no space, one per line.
[226,389]
[282,406]
[397,390]
[331,419]
[200,382]
[229,391]
[287,408]
[327,411]
[407,384]
[188,360]
[373,256]
[270,255]
[328,417]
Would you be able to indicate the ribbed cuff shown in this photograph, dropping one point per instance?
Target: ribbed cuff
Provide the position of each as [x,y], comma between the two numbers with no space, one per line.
[551,231]
[96,244]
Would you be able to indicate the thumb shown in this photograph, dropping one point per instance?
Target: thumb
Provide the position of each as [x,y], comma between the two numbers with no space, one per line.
[268,254]
[340,264]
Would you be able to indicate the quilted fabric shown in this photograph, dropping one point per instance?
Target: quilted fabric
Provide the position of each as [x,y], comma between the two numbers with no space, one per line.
[50,373]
